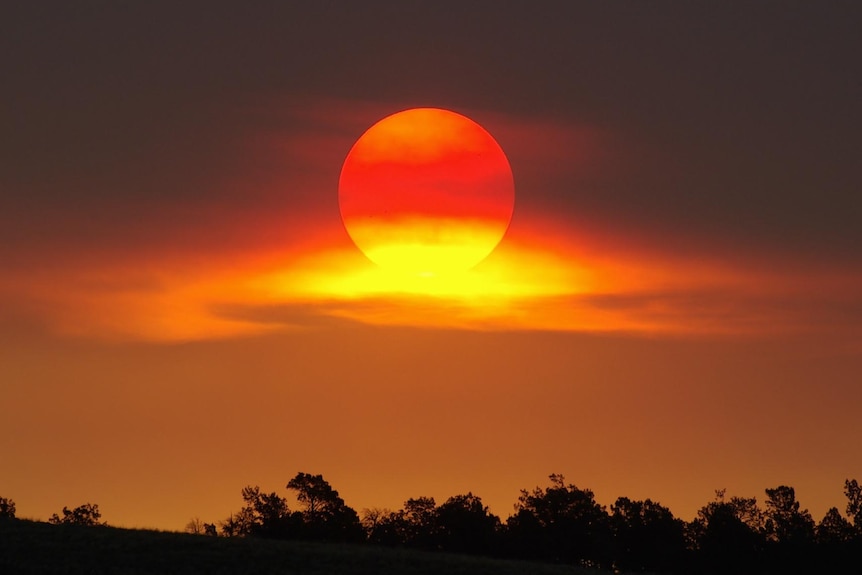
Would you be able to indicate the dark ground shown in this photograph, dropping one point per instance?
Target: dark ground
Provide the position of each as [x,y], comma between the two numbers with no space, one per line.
[28,547]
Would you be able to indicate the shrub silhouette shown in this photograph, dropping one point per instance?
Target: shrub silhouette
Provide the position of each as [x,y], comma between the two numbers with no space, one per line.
[7,508]
[86,514]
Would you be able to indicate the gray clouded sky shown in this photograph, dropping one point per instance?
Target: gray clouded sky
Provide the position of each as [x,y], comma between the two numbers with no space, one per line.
[731,124]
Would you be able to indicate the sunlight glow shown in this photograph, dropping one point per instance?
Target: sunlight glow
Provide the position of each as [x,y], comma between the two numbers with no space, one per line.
[426,246]
[520,286]
[338,276]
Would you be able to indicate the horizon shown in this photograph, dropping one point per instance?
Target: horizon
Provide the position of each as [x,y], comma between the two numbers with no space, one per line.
[294,505]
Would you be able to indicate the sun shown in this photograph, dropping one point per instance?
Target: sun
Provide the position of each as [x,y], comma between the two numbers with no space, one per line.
[426,191]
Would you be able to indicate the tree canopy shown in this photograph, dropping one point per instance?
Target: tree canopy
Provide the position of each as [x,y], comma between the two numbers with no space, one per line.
[325,515]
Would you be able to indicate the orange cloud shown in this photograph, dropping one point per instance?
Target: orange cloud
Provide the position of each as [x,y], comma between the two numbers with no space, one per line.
[527,284]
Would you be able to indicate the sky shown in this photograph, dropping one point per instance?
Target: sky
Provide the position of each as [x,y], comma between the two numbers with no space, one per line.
[675,308]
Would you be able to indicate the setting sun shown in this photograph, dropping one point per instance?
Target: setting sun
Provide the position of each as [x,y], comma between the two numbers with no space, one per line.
[426,191]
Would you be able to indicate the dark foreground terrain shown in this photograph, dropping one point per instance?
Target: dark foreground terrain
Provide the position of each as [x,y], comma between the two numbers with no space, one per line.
[32,547]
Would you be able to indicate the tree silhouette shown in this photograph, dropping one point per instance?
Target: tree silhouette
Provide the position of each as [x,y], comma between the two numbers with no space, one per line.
[267,513]
[833,529]
[238,524]
[7,508]
[413,526]
[647,537]
[789,531]
[325,515]
[419,522]
[464,525]
[853,491]
[562,523]
[375,522]
[785,522]
[87,514]
[729,533]
[195,526]
[315,494]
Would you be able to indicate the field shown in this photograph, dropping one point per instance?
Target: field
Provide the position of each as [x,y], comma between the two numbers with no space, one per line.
[28,547]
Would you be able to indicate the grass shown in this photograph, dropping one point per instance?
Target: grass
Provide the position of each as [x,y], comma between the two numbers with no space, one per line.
[28,547]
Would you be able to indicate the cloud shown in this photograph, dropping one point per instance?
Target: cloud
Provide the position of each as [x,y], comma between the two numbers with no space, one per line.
[728,312]
[312,314]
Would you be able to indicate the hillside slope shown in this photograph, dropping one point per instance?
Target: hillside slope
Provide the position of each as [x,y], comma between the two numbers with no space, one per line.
[28,547]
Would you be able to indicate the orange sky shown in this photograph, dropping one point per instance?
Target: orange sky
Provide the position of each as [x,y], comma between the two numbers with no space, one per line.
[673,309]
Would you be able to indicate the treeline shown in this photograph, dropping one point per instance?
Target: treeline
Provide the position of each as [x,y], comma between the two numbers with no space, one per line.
[562,523]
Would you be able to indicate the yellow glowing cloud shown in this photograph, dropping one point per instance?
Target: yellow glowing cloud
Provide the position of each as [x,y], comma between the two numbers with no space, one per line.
[533,281]
[426,246]
[515,289]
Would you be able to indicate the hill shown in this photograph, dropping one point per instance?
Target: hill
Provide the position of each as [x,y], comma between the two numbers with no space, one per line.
[28,547]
